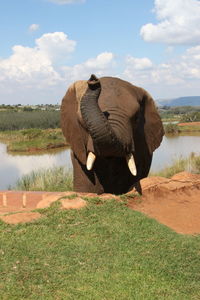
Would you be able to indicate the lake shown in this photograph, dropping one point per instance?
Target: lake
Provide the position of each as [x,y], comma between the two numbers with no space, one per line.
[14,166]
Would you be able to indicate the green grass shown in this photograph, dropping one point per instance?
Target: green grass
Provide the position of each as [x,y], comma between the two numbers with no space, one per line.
[53,179]
[189,128]
[104,251]
[190,164]
[33,139]
[176,129]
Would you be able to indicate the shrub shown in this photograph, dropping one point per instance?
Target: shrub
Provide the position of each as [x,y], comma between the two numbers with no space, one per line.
[171,128]
[191,117]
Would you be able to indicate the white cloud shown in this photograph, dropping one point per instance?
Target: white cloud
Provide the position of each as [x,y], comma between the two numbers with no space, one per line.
[67,1]
[31,75]
[56,46]
[139,63]
[41,74]
[36,64]
[33,27]
[101,65]
[179,23]
[36,75]
[169,79]
[24,64]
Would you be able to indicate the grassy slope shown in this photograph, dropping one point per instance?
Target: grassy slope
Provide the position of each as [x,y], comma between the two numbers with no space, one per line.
[33,139]
[104,251]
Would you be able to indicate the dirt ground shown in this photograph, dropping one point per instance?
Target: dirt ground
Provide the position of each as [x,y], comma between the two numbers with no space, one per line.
[189,124]
[174,202]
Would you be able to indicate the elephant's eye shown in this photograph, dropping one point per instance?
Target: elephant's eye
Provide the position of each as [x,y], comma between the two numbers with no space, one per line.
[106,114]
[136,117]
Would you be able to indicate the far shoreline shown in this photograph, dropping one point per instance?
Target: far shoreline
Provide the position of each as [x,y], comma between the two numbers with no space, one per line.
[34,140]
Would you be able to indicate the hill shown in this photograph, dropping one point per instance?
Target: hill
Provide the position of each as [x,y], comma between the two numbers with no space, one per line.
[181,101]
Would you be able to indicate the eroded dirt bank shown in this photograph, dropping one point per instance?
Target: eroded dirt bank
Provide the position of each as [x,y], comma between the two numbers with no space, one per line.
[174,202]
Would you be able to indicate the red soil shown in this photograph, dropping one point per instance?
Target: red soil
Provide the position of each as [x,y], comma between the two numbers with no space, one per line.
[174,202]
[189,124]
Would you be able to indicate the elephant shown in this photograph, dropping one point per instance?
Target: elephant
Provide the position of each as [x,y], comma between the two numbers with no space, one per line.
[112,127]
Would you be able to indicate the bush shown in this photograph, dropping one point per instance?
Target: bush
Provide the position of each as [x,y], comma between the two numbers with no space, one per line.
[171,128]
[191,117]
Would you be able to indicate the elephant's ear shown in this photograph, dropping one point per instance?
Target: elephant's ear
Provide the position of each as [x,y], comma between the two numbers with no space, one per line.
[153,127]
[71,127]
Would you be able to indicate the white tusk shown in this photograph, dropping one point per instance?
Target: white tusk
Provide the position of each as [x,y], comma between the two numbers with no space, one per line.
[90,161]
[131,164]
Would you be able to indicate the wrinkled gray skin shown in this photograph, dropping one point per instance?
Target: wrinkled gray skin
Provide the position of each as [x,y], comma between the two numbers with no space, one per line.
[111,118]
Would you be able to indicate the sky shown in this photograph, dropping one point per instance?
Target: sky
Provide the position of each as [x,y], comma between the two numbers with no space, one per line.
[45,45]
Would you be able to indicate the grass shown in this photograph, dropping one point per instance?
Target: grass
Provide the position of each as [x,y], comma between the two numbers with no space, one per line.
[100,252]
[54,179]
[176,129]
[190,164]
[33,139]
[189,128]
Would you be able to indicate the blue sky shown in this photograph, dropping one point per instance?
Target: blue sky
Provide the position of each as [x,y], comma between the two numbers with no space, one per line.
[45,45]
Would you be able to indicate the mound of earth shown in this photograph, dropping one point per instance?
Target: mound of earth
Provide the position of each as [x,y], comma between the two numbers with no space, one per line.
[174,202]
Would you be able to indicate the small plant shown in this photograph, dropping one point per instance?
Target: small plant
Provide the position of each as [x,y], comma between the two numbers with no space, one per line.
[171,128]
[31,133]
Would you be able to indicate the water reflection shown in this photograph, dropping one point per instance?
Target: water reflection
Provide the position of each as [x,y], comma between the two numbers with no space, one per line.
[14,166]
[174,147]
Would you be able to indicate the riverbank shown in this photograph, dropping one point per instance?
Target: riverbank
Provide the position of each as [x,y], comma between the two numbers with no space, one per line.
[31,140]
[59,179]
[35,139]
[189,127]
[181,128]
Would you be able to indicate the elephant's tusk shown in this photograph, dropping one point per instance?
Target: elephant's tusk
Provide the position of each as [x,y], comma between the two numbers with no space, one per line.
[90,161]
[131,164]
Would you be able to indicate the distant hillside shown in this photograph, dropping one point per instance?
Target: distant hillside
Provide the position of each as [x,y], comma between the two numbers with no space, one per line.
[181,101]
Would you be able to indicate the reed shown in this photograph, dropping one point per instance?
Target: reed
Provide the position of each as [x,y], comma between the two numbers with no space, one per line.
[190,164]
[52,179]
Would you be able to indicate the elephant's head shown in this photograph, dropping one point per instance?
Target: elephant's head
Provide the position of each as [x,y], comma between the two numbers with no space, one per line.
[110,118]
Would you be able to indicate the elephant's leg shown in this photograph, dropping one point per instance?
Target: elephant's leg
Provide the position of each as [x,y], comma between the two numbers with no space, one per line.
[84,181]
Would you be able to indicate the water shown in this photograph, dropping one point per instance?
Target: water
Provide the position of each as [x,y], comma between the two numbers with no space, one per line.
[13,167]
[174,147]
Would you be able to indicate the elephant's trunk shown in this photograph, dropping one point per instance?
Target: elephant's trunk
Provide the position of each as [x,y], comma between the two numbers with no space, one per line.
[105,141]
